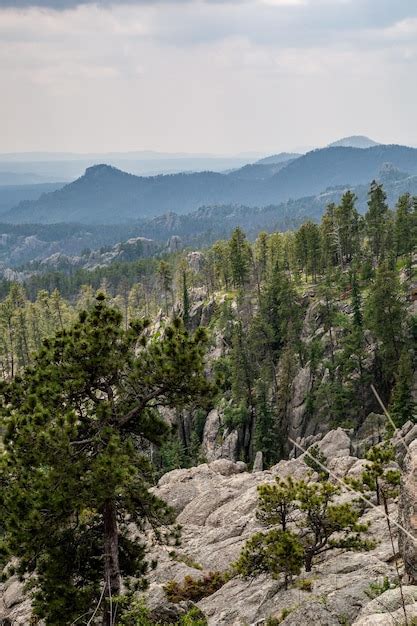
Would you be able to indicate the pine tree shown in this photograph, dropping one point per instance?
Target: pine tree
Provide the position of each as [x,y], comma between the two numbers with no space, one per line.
[75,472]
[165,278]
[404,240]
[308,247]
[385,315]
[240,258]
[185,299]
[402,406]
[379,477]
[323,525]
[376,219]
[261,252]
[347,219]
[265,426]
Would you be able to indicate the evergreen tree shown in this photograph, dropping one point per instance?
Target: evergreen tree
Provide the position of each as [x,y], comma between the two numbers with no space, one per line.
[240,258]
[280,311]
[165,277]
[404,235]
[402,406]
[308,246]
[220,253]
[75,473]
[185,299]
[261,253]
[376,219]
[385,315]
[322,525]
[379,477]
[329,244]
[347,219]
[266,435]
[353,357]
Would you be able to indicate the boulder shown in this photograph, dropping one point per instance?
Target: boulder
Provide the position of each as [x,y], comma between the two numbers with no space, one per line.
[163,611]
[370,433]
[336,443]
[225,467]
[214,445]
[13,593]
[390,601]
[258,463]
[311,613]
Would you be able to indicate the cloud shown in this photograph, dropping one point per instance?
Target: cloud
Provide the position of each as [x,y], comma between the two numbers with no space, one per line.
[220,75]
[61,5]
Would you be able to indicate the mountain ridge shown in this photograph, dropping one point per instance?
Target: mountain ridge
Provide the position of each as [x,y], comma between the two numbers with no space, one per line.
[354,141]
[105,194]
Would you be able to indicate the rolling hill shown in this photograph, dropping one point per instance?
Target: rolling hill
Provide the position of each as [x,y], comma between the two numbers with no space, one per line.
[105,194]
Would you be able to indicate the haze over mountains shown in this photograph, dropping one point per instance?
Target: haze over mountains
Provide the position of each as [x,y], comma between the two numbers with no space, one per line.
[30,167]
[105,194]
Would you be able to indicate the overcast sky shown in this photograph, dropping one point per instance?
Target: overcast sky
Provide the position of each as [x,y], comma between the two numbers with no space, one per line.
[221,76]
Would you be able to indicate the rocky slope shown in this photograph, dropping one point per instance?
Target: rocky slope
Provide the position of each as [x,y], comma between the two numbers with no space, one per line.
[216,506]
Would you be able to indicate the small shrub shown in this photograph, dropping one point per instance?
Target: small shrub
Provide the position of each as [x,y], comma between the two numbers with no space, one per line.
[310,459]
[276,621]
[305,584]
[193,618]
[195,589]
[275,552]
[375,589]
[135,613]
[184,558]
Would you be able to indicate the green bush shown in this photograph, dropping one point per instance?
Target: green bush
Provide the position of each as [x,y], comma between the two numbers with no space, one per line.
[136,613]
[195,589]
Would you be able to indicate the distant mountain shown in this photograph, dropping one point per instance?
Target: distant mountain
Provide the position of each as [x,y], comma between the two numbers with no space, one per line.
[282,157]
[259,171]
[315,171]
[107,195]
[23,243]
[12,194]
[355,141]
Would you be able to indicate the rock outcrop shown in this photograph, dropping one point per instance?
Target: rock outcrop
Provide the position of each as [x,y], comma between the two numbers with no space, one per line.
[216,507]
[408,512]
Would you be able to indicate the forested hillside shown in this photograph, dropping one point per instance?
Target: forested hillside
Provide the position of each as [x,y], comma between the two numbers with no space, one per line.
[317,303]
[105,194]
[223,355]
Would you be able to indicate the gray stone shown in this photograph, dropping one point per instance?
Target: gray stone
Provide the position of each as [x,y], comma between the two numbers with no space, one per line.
[408,512]
[13,593]
[214,445]
[311,613]
[258,463]
[336,443]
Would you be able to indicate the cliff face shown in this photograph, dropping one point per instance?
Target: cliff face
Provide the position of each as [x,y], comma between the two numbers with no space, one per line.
[298,421]
[216,506]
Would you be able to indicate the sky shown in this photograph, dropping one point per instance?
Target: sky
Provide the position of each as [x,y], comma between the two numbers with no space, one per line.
[217,76]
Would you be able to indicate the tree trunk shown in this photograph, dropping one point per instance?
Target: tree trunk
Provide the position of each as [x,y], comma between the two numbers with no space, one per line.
[111,560]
